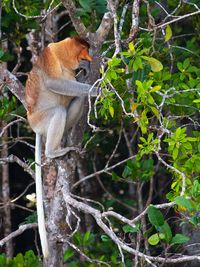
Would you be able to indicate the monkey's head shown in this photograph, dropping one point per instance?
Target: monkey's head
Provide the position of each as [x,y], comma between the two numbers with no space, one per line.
[76,49]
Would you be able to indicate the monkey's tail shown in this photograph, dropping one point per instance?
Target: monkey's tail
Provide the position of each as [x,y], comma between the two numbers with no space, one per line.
[39,195]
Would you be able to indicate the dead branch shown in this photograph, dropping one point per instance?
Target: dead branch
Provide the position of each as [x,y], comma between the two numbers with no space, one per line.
[13,158]
[18,232]
[9,80]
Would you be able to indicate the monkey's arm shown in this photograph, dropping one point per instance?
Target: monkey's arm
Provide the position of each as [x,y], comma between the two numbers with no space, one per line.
[70,88]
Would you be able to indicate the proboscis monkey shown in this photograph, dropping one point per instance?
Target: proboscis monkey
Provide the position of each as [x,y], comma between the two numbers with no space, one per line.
[55,102]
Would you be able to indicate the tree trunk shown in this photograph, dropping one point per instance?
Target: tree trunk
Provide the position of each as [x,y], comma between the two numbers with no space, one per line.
[5,182]
[6,196]
[61,220]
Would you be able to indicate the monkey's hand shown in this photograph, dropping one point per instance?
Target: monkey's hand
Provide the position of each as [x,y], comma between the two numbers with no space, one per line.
[83,71]
[70,88]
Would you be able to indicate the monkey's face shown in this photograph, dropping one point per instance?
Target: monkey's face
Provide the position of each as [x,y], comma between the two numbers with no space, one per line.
[76,49]
[84,54]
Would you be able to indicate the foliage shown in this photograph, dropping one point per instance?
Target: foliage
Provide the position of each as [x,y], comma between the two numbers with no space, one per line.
[29,259]
[164,232]
[95,246]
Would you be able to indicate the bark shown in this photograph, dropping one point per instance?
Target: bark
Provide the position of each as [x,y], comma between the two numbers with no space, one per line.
[6,196]
[5,184]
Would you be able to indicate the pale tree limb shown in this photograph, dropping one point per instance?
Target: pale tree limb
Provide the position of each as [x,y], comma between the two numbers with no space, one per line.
[14,85]
[49,10]
[106,23]
[18,232]
[12,158]
[97,215]
[135,20]
[102,171]
[177,19]
[5,128]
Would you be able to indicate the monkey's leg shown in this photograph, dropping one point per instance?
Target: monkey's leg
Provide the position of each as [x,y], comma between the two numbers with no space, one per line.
[55,132]
[74,112]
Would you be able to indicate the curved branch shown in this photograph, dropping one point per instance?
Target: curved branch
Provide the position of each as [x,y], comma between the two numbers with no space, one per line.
[78,25]
[19,231]
[14,85]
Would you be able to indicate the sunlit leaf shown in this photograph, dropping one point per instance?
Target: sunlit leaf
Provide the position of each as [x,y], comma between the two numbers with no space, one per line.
[196,101]
[155,88]
[155,64]
[154,239]
[111,110]
[168,33]
[131,47]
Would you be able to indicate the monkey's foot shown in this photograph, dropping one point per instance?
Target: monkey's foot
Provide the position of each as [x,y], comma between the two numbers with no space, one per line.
[61,152]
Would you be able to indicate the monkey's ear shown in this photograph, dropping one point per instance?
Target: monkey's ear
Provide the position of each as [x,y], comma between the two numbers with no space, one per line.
[84,55]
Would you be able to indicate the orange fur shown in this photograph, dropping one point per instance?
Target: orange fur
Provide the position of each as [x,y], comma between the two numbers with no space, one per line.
[58,60]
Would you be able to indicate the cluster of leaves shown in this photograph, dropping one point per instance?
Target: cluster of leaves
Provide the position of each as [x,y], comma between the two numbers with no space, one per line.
[163,230]
[159,98]
[29,259]
[98,247]
[89,6]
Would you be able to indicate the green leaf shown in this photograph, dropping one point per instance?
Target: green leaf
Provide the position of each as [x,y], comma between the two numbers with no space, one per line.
[105,238]
[1,53]
[19,260]
[166,230]
[85,5]
[86,236]
[196,101]
[179,239]
[130,229]
[168,33]
[127,172]
[155,216]
[131,47]
[183,202]
[2,260]
[175,153]
[155,111]
[115,177]
[154,239]
[68,254]
[161,236]
[155,88]
[111,111]
[180,66]
[155,64]
[186,63]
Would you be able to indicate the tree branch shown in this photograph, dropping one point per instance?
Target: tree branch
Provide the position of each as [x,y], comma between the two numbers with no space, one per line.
[13,158]
[14,85]
[19,231]
[98,216]
[135,20]
[78,25]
